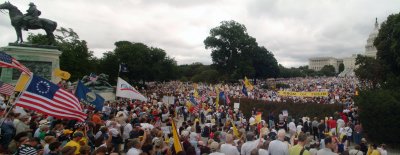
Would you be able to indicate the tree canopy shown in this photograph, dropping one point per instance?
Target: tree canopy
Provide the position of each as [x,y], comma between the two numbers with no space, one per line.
[76,57]
[384,73]
[144,63]
[236,54]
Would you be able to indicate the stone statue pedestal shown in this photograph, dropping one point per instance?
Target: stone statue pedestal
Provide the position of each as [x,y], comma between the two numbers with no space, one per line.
[41,60]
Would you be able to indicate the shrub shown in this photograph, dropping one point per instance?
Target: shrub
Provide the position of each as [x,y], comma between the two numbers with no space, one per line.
[379,115]
[295,110]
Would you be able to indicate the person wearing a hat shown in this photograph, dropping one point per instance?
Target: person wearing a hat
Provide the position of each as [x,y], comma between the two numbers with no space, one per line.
[21,124]
[76,137]
[228,147]
[31,16]
[214,147]
[363,145]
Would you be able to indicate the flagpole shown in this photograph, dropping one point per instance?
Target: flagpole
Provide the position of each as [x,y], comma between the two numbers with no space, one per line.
[12,105]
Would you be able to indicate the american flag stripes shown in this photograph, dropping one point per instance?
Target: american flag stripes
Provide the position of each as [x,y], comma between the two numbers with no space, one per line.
[47,98]
[8,61]
[6,88]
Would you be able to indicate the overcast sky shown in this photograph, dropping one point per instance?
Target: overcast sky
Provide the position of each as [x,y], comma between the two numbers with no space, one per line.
[293,30]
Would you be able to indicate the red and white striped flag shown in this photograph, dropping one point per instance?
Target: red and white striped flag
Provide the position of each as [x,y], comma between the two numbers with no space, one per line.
[47,98]
[6,88]
[8,61]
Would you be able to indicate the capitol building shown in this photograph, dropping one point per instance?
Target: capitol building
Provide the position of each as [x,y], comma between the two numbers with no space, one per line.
[317,63]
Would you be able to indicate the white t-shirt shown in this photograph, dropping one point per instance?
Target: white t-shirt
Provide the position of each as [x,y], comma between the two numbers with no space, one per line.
[216,153]
[262,152]
[382,151]
[229,149]
[134,151]
[278,147]
[127,130]
[248,147]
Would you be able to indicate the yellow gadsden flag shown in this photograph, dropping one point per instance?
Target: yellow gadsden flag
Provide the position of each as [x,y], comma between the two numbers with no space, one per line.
[22,81]
[177,143]
[217,98]
[235,130]
[247,83]
[61,74]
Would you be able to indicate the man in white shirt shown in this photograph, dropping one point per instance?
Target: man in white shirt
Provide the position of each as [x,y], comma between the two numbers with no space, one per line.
[228,147]
[330,144]
[137,144]
[278,146]
[135,150]
[382,149]
[249,145]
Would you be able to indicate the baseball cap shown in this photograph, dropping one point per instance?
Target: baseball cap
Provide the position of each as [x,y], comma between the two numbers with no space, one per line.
[77,134]
[214,146]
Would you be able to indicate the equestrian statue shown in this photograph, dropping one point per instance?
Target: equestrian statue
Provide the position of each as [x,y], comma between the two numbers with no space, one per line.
[30,20]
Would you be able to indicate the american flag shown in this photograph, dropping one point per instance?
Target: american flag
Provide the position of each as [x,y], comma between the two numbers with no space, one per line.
[47,98]
[6,88]
[8,61]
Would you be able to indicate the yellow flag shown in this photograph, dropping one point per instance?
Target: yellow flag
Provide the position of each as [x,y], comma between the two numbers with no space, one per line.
[217,99]
[21,83]
[235,130]
[177,143]
[247,83]
[258,118]
[61,74]
[188,104]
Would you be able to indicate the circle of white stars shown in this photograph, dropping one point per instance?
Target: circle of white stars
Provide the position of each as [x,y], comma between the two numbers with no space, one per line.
[47,85]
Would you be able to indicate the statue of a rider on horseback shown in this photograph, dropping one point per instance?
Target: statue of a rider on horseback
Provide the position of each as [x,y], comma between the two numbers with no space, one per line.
[30,20]
[31,17]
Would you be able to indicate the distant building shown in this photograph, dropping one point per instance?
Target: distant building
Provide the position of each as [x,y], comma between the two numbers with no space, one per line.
[318,63]
[370,49]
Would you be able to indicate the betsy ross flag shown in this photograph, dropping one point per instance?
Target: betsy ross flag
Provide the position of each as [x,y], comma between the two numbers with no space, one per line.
[8,61]
[6,88]
[45,97]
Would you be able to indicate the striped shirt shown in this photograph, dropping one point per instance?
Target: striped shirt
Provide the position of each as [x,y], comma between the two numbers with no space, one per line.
[26,150]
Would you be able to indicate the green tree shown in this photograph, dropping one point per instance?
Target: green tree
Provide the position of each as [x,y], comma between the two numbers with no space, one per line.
[382,100]
[341,67]
[236,54]
[328,70]
[227,42]
[369,69]
[387,44]
[379,114]
[209,76]
[76,57]
[144,63]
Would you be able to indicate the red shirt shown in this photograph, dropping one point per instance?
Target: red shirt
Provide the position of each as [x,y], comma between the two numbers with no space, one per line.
[331,124]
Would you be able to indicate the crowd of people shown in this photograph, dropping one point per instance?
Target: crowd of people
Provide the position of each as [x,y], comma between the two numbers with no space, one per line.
[135,127]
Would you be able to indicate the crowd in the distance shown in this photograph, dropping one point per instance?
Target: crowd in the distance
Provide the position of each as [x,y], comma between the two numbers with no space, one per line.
[144,128]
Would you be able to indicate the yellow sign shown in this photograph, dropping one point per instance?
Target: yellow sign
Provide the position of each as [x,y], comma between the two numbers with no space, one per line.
[61,74]
[303,94]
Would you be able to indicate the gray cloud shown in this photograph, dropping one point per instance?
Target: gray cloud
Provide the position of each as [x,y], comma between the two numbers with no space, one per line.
[292,30]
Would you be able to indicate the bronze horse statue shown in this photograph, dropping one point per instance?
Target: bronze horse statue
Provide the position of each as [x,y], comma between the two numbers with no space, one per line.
[16,17]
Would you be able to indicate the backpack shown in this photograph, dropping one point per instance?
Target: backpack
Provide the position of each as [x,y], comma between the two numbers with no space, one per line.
[206,132]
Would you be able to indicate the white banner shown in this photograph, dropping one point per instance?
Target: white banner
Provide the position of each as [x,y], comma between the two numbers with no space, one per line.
[125,90]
